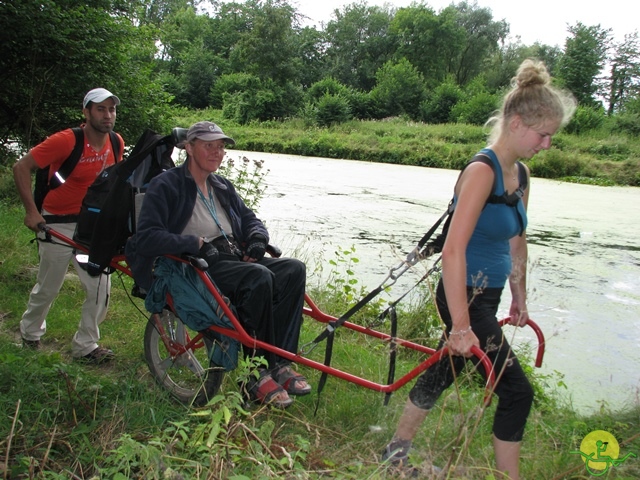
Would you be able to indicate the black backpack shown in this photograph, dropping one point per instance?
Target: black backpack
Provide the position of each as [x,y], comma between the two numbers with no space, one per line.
[110,207]
[43,184]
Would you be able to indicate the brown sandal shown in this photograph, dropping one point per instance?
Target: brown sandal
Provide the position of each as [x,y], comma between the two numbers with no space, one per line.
[265,390]
[287,377]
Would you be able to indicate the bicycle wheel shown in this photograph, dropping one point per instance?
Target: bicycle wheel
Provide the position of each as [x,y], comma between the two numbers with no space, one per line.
[190,377]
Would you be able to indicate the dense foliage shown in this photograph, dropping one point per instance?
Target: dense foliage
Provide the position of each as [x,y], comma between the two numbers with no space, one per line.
[258,61]
[54,51]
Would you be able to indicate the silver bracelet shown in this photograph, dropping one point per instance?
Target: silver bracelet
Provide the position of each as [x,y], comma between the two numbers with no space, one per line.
[461,332]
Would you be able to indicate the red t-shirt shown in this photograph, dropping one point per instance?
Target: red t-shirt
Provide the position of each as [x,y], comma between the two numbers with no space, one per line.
[67,198]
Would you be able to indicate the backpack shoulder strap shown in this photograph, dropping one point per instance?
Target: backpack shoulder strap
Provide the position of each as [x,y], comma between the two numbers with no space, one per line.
[435,245]
[115,145]
[59,177]
[512,199]
[522,176]
[508,199]
[484,158]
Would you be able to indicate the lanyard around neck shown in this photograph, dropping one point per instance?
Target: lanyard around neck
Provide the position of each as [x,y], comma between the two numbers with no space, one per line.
[211,207]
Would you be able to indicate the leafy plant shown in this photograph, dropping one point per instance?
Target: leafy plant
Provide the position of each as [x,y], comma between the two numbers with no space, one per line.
[628,123]
[214,440]
[326,86]
[64,420]
[8,192]
[344,288]
[400,89]
[247,177]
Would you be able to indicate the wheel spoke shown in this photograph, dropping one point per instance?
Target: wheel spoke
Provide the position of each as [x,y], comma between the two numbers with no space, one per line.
[190,376]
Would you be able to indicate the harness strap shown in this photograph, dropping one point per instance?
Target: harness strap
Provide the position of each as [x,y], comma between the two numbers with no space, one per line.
[512,199]
[59,177]
[332,326]
[393,351]
[60,219]
[425,238]
[328,334]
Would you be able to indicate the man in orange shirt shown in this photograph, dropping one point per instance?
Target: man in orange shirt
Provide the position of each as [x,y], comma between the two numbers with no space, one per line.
[60,209]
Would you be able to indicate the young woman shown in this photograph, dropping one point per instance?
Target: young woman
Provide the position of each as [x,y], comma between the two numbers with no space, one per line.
[486,245]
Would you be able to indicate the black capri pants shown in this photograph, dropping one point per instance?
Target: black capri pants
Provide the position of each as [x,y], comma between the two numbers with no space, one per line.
[513,389]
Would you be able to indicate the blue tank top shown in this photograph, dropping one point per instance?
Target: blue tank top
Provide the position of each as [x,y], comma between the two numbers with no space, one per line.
[488,252]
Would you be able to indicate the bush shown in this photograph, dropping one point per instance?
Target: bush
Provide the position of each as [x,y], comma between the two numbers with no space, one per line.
[437,107]
[269,102]
[332,109]
[230,84]
[554,163]
[326,86]
[8,192]
[400,89]
[628,123]
[362,105]
[585,119]
[476,110]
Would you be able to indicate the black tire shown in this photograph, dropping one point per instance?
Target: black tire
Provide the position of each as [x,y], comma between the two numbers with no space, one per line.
[191,377]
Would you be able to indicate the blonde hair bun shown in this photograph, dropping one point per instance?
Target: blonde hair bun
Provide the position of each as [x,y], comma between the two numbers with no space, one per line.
[530,73]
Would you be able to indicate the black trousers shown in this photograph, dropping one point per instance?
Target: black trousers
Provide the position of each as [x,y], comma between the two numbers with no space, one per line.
[513,389]
[268,297]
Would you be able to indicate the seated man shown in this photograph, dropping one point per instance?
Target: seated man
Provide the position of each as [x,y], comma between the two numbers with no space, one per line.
[189,209]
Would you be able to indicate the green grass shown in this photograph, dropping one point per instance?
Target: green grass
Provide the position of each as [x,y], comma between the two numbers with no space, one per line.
[67,420]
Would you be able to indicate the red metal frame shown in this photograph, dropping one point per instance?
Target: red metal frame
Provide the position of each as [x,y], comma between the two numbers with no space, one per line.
[311,310]
[118,262]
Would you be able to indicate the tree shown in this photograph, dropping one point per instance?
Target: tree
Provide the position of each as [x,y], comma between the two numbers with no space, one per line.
[311,48]
[267,49]
[584,55]
[266,101]
[158,12]
[427,40]
[501,67]
[624,82]
[358,44]
[482,38]
[550,55]
[53,52]
[504,63]
[190,63]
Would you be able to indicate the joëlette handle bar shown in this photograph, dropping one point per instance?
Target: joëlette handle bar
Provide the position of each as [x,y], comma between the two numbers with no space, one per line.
[539,334]
[239,333]
[118,262]
[313,311]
